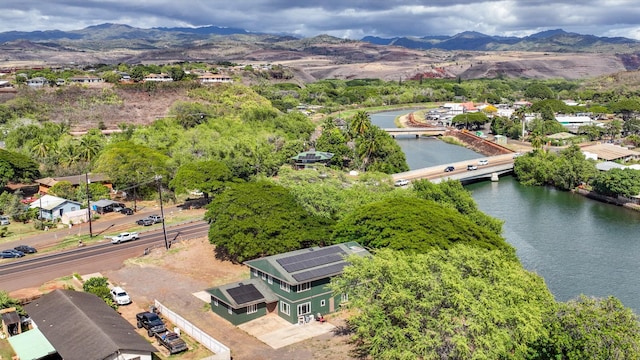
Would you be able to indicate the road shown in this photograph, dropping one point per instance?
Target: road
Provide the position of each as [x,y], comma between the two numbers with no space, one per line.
[435,172]
[34,270]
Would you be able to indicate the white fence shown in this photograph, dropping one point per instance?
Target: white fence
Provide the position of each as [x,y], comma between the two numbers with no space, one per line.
[221,352]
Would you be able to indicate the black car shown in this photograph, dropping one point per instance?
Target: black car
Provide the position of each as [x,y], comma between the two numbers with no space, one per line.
[127,211]
[449,169]
[26,249]
[145,222]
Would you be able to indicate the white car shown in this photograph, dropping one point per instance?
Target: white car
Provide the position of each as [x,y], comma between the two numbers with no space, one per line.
[401,182]
[483,162]
[120,296]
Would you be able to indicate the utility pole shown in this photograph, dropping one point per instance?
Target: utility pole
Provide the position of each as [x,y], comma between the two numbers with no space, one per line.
[86,176]
[164,229]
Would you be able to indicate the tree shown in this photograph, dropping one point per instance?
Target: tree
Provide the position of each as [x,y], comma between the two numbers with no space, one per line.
[254,219]
[7,301]
[632,126]
[462,303]
[210,177]
[127,163]
[591,328]
[613,128]
[63,189]
[360,123]
[538,91]
[399,223]
[626,107]
[99,286]
[617,182]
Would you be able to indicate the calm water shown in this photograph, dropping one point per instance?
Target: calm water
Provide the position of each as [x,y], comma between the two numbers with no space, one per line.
[579,246]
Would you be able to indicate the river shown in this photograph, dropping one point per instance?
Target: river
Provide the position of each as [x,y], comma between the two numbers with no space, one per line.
[578,245]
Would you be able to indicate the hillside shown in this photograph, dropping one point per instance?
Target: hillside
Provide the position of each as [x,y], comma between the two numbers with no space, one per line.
[322,57]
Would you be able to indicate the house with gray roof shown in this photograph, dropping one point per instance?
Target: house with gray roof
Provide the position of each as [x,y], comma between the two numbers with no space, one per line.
[81,326]
[293,285]
[53,207]
[307,159]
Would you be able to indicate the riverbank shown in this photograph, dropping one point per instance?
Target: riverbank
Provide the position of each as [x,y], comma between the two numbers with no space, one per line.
[607,199]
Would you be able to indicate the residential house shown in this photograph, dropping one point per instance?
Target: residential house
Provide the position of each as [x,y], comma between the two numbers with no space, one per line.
[81,326]
[53,207]
[45,184]
[214,79]
[37,82]
[307,159]
[158,77]
[611,152]
[293,285]
[88,79]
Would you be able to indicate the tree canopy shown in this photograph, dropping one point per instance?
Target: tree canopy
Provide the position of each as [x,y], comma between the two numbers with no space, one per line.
[412,224]
[207,176]
[254,219]
[461,303]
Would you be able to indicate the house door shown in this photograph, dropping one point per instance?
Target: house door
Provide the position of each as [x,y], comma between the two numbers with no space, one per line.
[272,307]
[332,305]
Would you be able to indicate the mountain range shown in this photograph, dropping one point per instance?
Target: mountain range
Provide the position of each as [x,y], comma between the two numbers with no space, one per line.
[115,35]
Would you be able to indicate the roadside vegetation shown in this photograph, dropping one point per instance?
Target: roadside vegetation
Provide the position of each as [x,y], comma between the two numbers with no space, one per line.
[442,282]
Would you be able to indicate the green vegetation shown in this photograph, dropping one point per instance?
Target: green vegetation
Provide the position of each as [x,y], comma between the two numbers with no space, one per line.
[461,303]
[617,182]
[7,301]
[99,286]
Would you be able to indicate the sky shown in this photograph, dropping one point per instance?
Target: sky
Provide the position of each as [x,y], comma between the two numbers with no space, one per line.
[352,19]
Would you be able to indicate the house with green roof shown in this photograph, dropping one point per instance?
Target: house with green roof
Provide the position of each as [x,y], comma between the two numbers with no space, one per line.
[307,159]
[293,285]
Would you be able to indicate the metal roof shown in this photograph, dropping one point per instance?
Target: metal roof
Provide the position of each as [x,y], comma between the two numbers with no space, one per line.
[243,293]
[31,345]
[309,264]
[81,326]
[50,202]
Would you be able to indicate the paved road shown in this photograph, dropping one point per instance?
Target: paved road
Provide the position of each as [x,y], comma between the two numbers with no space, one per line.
[435,172]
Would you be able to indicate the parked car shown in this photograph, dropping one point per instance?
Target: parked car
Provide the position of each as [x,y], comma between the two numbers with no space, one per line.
[483,162]
[118,207]
[172,342]
[120,296]
[156,218]
[401,182]
[127,211]
[449,169]
[12,253]
[471,167]
[7,254]
[151,322]
[145,222]
[26,249]
[4,220]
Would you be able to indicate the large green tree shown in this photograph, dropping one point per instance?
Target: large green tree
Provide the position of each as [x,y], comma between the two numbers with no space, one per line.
[209,177]
[461,303]
[254,219]
[617,182]
[591,328]
[405,223]
[127,163]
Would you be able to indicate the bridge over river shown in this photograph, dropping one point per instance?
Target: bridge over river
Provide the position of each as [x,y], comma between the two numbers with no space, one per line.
[496,166]
[416,131]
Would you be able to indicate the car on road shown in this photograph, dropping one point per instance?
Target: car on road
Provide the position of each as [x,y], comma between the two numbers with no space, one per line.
[4,220]
[472,167]
[120,296]
[449,169]
[401,182]
[11,254]
[126,211]
[483,162]
[124,237]
[26,249]
[145,222]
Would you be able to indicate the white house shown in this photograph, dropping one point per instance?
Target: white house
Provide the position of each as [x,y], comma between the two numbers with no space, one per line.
[53,207]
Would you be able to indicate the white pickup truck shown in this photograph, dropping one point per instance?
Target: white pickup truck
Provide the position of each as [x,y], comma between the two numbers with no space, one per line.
[125,236]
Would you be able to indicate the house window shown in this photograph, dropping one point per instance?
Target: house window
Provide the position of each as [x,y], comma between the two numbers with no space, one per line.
[304,286]
[344,298]
[215,302]
[284,286]
[264,276]
[230,310]
[269,279]
[285,308]
[322,302]
[255,272]
[304,308]
[252,309]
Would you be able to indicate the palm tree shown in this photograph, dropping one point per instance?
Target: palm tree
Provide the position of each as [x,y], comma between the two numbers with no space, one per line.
[360,123]
[88,148]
